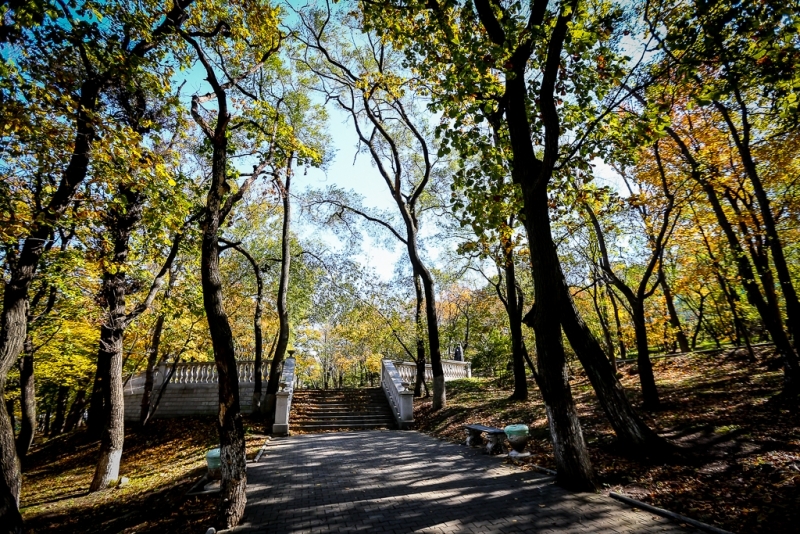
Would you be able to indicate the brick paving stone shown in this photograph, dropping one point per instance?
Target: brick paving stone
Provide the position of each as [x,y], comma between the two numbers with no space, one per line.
[403,481]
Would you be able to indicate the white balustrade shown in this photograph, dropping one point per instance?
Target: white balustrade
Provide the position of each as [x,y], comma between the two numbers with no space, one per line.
[453,370]
[198,373]
[283,398]
[400,397]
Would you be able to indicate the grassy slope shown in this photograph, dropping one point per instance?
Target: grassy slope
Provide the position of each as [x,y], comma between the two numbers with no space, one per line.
[162,462]
[747,475]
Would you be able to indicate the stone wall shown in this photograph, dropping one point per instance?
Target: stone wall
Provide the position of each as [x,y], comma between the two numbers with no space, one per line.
[193,390]
[181,400]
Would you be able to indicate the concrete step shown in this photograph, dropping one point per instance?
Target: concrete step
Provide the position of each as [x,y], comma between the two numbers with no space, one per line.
[351,413]
[340,409]
[341,417]
[325,426]
[340,406]
[339,397]
[321,393]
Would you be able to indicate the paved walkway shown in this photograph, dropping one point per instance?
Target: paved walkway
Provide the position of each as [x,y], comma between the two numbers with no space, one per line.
[399,482]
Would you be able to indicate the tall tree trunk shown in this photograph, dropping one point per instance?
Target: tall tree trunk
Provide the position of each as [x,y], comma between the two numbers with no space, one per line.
[257,314]
[420,380]
[439,394]
[75,410]
[229,420]
[61,410]
[259,341]
[699,325]
[27,401]
[514,312]
[572,459]
[120,224]
[645,366]
[533,175]
[96,415]
[603,319]
[674,320]
[283,290]
[152,361]
[623,352]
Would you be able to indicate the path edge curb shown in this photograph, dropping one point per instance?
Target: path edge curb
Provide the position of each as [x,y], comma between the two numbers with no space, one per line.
[668,514]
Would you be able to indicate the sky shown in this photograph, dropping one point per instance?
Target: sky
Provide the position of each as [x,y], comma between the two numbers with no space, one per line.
[357,173]
[349,170]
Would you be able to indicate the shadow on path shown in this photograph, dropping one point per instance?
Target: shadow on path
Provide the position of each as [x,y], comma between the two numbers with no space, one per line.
[395,481]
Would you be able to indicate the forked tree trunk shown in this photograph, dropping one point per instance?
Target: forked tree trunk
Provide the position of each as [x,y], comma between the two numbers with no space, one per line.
[532,175]
[635,297]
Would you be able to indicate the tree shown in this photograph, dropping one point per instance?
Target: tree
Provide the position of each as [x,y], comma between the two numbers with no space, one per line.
[657,227]
[257,318]
[233,47]
[94,56]
[371,89]
[284,188]
[752,92]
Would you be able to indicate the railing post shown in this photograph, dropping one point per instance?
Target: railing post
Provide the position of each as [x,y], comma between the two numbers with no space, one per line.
[161,374]
[283,399]
[399,396]
[469,369]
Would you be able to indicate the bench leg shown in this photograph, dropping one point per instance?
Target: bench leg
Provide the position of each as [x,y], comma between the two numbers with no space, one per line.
[495,444]
[474,438]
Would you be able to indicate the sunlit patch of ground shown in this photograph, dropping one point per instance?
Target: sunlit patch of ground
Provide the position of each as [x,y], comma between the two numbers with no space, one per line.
[743,473]
[162,463]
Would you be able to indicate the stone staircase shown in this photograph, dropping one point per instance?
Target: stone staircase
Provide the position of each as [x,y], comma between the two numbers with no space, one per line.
[315,410]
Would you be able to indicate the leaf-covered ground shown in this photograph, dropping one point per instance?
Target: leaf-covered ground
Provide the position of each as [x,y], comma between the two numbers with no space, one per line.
[742,471]
[162,462]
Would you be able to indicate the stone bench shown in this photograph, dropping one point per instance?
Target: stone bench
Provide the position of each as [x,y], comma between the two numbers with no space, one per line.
[494,443]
